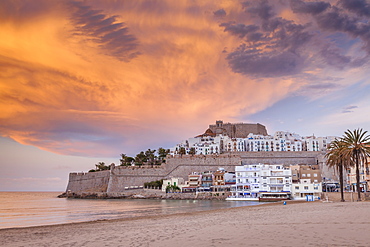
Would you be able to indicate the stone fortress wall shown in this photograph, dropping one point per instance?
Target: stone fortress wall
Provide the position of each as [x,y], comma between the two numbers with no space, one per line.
[237,130]
[117,178]
[89,181]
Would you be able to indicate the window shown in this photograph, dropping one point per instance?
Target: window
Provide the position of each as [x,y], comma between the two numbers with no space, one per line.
[315,188]
[315,174]
[308,175]
[303,175]
[306,188]
[297,187]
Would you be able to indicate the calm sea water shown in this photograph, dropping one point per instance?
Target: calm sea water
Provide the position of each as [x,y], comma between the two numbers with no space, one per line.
[23,209]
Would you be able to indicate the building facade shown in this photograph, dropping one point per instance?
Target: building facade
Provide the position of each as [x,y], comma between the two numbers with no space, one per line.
[253,179]
[226,137]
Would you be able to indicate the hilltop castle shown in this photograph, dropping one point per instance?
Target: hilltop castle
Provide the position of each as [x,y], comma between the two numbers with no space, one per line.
[246,137]
[222,145]
[235,130]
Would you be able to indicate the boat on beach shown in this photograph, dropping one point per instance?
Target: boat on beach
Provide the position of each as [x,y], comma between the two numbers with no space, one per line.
[274,196]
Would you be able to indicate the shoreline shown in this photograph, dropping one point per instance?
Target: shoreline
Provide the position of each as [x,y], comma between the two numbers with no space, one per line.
[143,194]
[273,224]
[149,216]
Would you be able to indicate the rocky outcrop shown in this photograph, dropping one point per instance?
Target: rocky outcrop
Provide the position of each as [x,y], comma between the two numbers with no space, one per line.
[145,195]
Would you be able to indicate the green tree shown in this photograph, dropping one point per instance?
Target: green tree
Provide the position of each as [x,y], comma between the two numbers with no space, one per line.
[182,151]
[150,157]
[336,158]
[155,184]
[172,188]
[125,160]
[357,148]
[122,160]
[101,166]
[162,154]
[192,151]
[140,158]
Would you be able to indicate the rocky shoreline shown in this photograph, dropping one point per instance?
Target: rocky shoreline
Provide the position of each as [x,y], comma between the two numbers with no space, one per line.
[143,195]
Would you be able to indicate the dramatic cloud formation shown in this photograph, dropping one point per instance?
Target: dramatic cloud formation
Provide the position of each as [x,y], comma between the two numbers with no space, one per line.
[112,36]
[314,8]
[97,78]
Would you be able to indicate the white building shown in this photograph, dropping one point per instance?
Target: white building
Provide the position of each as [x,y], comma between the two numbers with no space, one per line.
[202,145]
[174,181]
[304,188]
[253,179]
[312,143]
[276,178]
[281,141]
[234,144]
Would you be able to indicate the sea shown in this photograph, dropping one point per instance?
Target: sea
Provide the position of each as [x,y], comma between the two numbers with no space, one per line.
[26,209]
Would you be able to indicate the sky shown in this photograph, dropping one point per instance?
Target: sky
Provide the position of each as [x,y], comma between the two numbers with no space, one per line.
[83,81]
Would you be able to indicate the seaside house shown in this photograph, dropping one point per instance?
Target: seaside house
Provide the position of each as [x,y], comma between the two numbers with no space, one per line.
[307,180]
[304,188]
[247,184]
[276,178]
[174,181]
[252,180]
[206,181]
[194,181]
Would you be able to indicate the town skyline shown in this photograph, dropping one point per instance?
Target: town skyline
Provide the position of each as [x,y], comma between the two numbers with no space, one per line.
[82,82]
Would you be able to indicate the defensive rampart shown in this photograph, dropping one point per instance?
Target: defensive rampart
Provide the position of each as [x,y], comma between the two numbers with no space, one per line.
[89,182]
[118,178]
[287,158]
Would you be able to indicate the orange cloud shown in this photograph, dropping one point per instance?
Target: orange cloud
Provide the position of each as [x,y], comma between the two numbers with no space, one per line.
[114,77]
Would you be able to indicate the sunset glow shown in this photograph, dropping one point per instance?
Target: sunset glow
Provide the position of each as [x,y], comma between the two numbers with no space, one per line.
[100,78]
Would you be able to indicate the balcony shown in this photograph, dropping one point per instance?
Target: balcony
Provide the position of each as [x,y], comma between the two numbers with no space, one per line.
[276,182]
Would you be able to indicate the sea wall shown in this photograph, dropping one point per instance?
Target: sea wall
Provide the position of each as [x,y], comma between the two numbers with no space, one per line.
[147,194]
[119,177]
[89,181]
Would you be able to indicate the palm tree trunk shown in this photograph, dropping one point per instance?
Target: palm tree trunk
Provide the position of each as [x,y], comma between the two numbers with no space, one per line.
[341,182]
[358,178]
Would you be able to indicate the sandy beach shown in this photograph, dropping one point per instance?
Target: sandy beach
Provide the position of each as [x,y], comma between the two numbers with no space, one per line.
[294,224]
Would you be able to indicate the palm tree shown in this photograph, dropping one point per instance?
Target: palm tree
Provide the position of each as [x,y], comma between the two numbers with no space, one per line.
[123,159]
[150,157]
[101,166]
[336,159]
[357,147]
[140,159]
